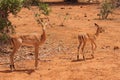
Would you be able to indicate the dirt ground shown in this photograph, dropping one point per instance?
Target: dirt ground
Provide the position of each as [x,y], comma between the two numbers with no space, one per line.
[57,57]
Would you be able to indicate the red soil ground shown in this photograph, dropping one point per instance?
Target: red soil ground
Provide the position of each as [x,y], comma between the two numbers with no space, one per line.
[57,57]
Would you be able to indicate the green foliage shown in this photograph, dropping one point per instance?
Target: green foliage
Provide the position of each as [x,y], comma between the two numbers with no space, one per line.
[106,9]
[28,3]
[42,6]
[45,7]
[10,6]
[3,38]
[6,7]
[13,7]
[2,23]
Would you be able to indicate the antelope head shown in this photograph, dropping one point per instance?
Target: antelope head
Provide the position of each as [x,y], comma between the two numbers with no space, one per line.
[99,29]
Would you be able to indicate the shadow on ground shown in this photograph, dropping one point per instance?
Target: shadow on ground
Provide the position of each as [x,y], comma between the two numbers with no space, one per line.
[81,60]
[27,71]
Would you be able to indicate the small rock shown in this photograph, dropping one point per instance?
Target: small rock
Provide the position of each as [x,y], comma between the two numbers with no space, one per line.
[116,48]
[49,69]
[85,15]
[62,8]
[81,6]
[31,54]
[107,46]
[88,19]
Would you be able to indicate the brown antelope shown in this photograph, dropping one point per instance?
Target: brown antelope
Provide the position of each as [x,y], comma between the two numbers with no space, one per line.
[84,38]
[27,40]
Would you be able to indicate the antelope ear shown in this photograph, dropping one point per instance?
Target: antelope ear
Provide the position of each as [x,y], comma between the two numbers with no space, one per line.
[96,24]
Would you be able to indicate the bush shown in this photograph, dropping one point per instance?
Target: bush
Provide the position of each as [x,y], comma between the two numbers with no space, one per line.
[28,3]
[45,8]
[106,9]
[13,7]
[7,7]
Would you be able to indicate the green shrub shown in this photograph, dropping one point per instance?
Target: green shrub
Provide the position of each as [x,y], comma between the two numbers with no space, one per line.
[4,37]
[106,9]
[13,7]
[45,8]
[7,7]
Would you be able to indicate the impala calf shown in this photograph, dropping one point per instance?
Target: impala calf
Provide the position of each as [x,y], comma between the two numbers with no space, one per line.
[84,38]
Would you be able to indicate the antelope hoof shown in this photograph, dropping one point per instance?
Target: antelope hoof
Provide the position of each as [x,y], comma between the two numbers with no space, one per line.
[12,67]
[92,56]
[77,57]
[84,58]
